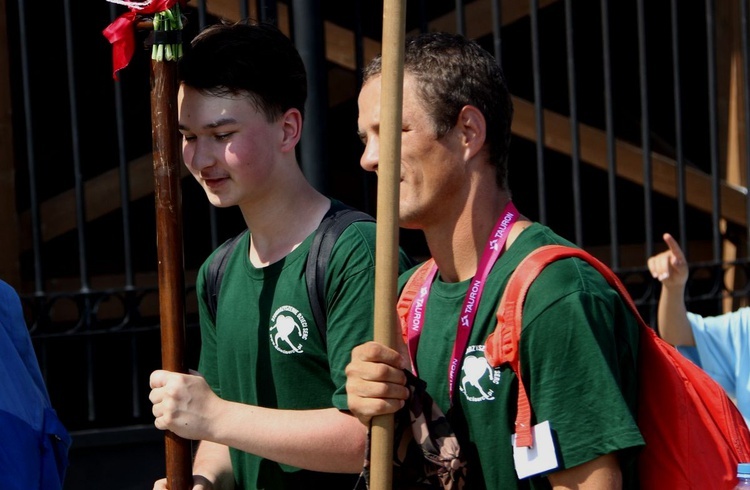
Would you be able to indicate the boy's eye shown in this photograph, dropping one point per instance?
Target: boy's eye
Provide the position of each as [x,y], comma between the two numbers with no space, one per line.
[187,137]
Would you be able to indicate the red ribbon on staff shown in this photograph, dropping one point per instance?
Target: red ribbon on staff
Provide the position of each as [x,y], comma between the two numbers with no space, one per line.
[121,35]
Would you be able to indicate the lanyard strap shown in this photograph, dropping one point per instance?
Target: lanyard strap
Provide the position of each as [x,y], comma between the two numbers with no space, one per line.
[492,251]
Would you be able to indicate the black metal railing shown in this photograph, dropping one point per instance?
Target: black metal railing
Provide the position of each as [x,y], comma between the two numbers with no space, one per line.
[90,288]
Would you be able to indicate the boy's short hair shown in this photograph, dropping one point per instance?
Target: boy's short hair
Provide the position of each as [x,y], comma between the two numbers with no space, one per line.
[256,60]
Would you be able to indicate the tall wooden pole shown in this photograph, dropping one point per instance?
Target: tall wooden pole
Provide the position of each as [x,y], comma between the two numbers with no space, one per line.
[166,151]
[386,253]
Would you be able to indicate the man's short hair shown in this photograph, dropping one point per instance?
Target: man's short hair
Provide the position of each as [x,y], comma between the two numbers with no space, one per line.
[451,72]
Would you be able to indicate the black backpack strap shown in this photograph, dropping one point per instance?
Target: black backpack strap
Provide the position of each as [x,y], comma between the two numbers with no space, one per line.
[216,271]
[336,220]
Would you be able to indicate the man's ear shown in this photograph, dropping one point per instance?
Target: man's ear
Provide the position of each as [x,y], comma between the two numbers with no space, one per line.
[291,126]
[472,129]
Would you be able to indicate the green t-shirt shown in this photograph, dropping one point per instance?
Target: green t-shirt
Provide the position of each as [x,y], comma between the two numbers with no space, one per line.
[266,350]
[578,357]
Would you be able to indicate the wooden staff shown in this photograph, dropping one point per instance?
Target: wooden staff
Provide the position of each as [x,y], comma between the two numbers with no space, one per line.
[386,252]
[166,152]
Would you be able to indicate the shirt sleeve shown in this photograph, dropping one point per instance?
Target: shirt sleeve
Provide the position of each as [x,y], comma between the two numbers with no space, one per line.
[719,341]
[350,292]
[580,371]
[207,361]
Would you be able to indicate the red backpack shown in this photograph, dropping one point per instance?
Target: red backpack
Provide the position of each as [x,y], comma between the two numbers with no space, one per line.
[695,436]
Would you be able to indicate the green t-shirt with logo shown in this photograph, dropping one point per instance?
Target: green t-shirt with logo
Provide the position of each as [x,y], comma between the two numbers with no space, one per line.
[266,350]
[578,357]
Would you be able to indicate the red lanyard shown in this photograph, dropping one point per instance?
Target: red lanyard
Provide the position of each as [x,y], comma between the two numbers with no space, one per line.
[492,251]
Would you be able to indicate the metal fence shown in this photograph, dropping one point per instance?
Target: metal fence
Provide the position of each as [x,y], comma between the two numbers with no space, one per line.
[631,119]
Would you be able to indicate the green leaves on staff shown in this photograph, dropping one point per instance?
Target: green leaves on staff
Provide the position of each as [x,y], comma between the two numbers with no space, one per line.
[167,20]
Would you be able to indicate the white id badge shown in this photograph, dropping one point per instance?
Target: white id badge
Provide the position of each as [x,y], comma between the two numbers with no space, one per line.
[539,458]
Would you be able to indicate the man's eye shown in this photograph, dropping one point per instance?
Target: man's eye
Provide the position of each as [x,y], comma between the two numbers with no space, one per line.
[188,137]
[222,136]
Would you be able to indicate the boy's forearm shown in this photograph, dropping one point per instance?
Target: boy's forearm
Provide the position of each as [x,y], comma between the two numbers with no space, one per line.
[212,462]
[326,440]
[674,326]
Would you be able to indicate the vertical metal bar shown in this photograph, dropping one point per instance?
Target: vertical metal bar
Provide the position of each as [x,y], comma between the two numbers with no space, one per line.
[36,230]
[424,20]
[202,14]
[91,402]
[538,108]
[80,211]
[359,57]
[135,379]
[309,39]
[609,124]
[679,155]
[213,225]
[645,132]
[497,24]
[359,44]
[124,173]
[77,174]
[213,218]
[244,10]
[713,129]
[746,101]
[290,16]
[268,12]
[575,153]
[130,300]
[460,17]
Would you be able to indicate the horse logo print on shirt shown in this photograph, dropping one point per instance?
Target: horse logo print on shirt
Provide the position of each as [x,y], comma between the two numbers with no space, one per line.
[288,330]
[478,379]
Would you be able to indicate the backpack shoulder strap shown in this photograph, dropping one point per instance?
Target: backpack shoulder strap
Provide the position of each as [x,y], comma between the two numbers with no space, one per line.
[216,271]
[409,292]
[336,220]
[502,344]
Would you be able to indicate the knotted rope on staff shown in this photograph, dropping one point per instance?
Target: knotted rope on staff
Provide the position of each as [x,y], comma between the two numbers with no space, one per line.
[166,49]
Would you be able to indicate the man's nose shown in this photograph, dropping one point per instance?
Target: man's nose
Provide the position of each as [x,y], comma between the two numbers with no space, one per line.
[370,157]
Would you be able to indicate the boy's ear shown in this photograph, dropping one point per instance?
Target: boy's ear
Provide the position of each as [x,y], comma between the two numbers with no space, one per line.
[291,125]
[473,130]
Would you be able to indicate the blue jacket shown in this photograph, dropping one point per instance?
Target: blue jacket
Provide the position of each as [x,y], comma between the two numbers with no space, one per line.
[33,441]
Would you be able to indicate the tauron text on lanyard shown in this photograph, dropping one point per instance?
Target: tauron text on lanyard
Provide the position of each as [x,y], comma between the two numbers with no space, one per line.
[492,251]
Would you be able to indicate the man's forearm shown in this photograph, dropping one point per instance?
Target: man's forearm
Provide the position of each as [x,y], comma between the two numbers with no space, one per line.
[602,473]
